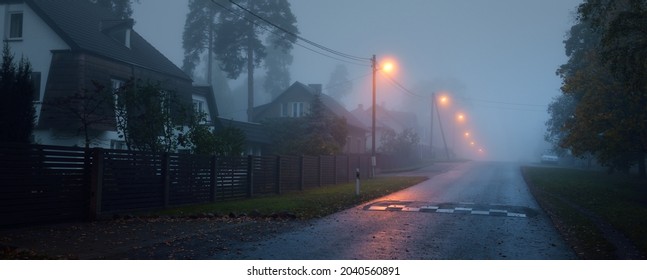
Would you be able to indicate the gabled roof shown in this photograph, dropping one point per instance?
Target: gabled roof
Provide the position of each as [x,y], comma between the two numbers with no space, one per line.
[328,102]
[255,132]
[395,120]
[86,27]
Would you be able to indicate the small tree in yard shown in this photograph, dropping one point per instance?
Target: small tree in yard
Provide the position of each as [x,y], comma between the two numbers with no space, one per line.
[17,113]
[400,145]
[325,133]
[319,133]
[89,110]
[203,140]
[149,118]
[230,141]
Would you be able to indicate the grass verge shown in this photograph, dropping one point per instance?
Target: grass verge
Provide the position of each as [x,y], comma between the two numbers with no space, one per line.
[307,204]
[578,200]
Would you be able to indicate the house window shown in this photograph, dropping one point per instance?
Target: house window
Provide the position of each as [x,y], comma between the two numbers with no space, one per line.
[297,109]
[198,106]
[284,110]
[117,86]
[15,26]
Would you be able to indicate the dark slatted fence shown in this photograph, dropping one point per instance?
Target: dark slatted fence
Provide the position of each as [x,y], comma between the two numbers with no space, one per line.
[43,184]
[311,172]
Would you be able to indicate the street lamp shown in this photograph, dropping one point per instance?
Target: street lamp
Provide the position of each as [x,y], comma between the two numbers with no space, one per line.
[434,105]
[386,67]
[373,159]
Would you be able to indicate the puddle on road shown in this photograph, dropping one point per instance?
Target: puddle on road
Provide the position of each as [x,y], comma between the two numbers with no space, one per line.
[466,208]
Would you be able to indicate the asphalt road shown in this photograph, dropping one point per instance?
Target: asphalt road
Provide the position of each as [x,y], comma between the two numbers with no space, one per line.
[473,210]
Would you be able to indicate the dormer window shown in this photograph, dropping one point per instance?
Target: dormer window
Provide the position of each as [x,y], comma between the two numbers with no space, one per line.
[15,26]
[119,30]
[127,39]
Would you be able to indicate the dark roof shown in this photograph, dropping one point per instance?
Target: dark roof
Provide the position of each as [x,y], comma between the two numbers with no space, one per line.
[328,102]
[256,133]
[86,27]
[387,118]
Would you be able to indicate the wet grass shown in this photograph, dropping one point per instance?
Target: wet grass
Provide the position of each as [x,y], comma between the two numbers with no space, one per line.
[307,204]
[577,200]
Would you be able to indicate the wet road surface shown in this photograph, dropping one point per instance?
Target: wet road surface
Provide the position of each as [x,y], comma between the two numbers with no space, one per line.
[472,210]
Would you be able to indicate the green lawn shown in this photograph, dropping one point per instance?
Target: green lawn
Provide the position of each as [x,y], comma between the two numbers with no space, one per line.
[567,194]
[310,203]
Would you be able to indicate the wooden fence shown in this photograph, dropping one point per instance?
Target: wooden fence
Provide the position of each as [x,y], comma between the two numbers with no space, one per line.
[44,184]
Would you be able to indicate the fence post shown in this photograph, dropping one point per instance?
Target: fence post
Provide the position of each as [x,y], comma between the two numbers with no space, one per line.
[96,184]
[301,174]
[166,176]
[334,168]
[214,177]
[278,174]
[348,169]
[250,176]
[320,170]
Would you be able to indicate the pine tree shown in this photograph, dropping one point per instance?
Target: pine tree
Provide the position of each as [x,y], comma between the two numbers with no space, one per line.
[17,113]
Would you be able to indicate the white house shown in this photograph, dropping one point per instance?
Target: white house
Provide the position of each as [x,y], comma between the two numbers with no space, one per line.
[74,45]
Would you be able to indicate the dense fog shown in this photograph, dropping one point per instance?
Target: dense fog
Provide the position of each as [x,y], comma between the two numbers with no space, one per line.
[495,61]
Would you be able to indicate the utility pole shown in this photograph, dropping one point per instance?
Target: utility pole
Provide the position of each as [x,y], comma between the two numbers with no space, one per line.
[431,127]
[442,132]
[373,159]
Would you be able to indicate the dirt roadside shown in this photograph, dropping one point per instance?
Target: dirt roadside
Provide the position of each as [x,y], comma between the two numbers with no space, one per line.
[163,238]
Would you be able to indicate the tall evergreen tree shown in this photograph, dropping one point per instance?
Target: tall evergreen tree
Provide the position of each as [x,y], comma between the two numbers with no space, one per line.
[277,66]
[17,113]
[239,43]
[339,85]
[199,34]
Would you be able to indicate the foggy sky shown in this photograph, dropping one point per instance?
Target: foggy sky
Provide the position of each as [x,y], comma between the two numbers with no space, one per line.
[497,59]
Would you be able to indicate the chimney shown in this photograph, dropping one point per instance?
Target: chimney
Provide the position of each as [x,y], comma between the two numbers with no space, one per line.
[316,88]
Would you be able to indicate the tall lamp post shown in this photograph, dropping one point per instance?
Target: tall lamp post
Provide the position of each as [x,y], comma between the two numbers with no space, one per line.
[388,66]
[434,105]
[373,159]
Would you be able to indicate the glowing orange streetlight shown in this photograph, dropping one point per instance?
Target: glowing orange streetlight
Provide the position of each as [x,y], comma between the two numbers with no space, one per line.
[460,117]
[444,99]
[467,134]
[388,67]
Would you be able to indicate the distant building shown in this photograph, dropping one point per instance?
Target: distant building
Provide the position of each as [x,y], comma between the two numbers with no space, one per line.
[257,141]
[72,43]
[384,120]
[295,102]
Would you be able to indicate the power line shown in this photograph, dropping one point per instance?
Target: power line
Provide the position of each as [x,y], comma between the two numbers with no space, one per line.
[285,36]
[292,34]
[506,103]
[347,81]
[400,86]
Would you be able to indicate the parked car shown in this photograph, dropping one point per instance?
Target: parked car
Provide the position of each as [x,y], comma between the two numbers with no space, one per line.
[549,159]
